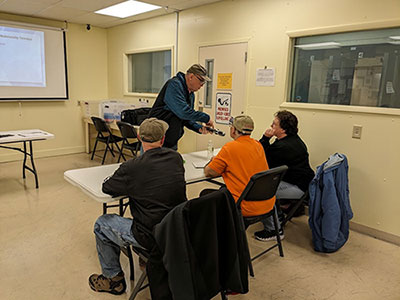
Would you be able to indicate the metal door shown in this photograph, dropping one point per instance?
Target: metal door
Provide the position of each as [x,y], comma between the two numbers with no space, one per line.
[226,65]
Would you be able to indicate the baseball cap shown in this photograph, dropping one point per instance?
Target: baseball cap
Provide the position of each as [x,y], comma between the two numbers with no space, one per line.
[199,70]
[242,123]
[152,130]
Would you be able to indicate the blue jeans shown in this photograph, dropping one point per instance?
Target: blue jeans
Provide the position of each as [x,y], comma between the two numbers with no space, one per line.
[285,191]
[112,232]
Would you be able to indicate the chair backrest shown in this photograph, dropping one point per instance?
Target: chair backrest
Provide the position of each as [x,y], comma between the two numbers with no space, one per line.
[127,130]
[100,124]
[263,185]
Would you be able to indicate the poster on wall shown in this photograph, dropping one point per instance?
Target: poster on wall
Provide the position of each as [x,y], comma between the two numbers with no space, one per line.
[224,81]
[223,108]
[265,77]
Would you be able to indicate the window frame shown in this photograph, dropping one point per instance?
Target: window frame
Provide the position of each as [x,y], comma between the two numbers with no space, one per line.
[209,83]
[127,71]
[292,35]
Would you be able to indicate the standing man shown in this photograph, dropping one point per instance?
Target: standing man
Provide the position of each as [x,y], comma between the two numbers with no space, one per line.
[237,161]
[155,184]
[175,105]
[287,149]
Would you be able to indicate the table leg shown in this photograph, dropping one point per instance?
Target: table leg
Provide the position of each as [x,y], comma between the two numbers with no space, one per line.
[25,166]
[33,164]
[87,137]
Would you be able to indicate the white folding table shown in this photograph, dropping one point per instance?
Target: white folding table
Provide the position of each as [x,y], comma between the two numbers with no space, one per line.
[25,136]
[90,180]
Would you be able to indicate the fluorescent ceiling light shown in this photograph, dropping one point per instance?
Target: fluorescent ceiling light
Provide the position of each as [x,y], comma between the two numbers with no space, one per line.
[127,9]
[396,37]
[315,46]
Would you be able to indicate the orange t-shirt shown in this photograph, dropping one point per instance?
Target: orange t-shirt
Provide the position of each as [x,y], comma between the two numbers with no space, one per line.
[237,161]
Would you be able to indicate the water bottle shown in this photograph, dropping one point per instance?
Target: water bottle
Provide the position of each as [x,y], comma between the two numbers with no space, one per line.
[210,150]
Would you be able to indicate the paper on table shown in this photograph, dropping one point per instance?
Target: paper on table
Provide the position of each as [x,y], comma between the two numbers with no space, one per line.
[33,133]
[200,164]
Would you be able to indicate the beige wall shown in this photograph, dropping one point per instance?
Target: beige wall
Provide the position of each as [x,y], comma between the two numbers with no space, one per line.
[87,80]
[265,25]
[154,34]
[96,72]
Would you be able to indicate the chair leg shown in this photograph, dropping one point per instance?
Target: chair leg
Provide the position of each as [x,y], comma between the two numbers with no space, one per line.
[223,296]
[111,145]
[278,237]
[116,145]
[130,258]
[110,148]
[120,153]
[134,153]
[137,148]
[105,154]
[94,149]
[294,209]
[138,285]
[251,271]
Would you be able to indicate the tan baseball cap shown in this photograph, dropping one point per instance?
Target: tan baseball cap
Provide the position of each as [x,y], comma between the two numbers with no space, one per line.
[152,130]
[243,123]
[199,70]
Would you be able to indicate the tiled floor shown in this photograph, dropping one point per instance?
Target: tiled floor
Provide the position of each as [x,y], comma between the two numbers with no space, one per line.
[47,248]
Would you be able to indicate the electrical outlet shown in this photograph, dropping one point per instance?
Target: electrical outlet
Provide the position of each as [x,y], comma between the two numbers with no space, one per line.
[357,131]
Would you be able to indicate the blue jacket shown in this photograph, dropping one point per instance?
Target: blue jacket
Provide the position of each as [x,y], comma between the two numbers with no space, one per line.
[175,105]
[330,211]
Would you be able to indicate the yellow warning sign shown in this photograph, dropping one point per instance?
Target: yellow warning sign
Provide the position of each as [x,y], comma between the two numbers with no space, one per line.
[224,81]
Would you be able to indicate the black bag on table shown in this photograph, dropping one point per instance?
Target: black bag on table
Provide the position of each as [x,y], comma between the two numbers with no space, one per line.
[135,116]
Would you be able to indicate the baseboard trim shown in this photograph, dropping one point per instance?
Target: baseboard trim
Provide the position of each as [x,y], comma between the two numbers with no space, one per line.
[372,232]
[375,233]
[11,156]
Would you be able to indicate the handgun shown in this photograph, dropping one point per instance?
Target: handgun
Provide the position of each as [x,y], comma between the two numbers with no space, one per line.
[216,131]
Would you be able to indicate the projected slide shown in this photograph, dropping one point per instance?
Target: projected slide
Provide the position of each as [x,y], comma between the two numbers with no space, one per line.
[22,61]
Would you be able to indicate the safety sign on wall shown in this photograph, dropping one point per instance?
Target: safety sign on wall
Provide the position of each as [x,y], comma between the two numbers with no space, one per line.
[223,108]
[224,81]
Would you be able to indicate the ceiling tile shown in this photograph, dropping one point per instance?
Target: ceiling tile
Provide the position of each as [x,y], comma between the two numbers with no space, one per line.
[21,7]
[93,19]
[89,5]
[81,11]
[57,12]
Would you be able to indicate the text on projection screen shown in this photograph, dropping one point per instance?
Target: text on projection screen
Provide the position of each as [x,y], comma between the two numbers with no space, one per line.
[22,57]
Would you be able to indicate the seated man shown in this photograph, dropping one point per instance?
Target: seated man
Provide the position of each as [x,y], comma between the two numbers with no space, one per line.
[287,149]
[237,161]
[155,184]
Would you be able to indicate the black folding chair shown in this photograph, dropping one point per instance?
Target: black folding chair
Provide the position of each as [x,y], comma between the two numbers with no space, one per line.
[104,135]
[262,186]
[139,286]
[128,132]
[295,205]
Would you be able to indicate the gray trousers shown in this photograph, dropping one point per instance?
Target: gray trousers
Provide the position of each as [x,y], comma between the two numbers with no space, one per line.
[285,191]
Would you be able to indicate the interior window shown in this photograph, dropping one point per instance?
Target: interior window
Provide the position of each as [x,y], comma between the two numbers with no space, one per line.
[356,68]
[148,71]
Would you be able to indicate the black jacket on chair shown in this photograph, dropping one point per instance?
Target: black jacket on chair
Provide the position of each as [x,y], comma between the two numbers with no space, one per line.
[202,250]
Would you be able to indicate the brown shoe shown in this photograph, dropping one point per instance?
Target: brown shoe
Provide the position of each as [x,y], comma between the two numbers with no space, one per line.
[115,285]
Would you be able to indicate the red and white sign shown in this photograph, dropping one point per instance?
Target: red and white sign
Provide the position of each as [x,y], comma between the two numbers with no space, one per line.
[223,108]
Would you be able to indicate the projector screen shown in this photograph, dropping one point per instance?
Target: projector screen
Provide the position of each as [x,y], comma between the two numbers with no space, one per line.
[33,63]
